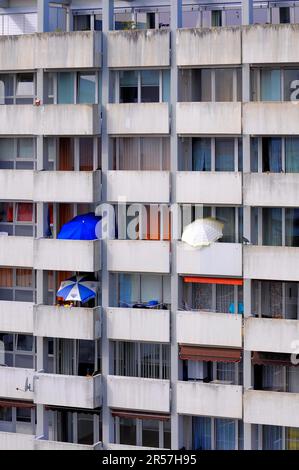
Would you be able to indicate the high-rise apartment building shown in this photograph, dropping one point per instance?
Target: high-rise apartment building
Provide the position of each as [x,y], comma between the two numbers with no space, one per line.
[152,114]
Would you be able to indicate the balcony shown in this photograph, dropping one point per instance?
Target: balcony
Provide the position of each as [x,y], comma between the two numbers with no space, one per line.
[16,441]
[209,329]
[211,187]
[134,393]
[208,399]
[41,444]
[16,317]
[16,251]
[51,119]
[271,189]
[138,186]
[72,323]
[263,118]
[273,335]
[218,259]
[116,447]
[208,118]
[79,49]
[271,262]
[215,46]
[138,118]
[68,390]
[67,255]
[139,48]
[281,39]
[147,256]
[137,324]
[13,381]
[16,185]
[67,186]
[272,408]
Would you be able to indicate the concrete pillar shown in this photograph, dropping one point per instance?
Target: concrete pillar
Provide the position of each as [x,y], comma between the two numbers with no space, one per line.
[43,24]
[176,429]
[247,12]
[247,18]
[108,20]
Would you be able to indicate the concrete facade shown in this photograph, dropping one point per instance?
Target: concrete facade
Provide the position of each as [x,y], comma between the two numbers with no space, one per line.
[141,341]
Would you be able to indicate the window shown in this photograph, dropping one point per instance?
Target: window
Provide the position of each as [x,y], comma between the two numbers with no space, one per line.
[279,438]
[82,22]
[145,86]
[270,85]
[136,289]
[279,84]
[275,154]
[142,432]
[275,299]
[275,226]
[216,19]
[17,350]
[150,87]
[272,226]
[210,84]
[216,434]
[17,88]
[146,360]
[141,153]
[231,217]
[65,93]
[284,15]
[224,155]
[17,154]
[86,88]
[201,154]
[128,85]
[6,89]
[224,84]
[72,87]
[17,218]
[211,154]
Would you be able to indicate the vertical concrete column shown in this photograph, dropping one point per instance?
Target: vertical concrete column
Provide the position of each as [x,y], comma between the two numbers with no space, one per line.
[43,24]
[176,427]
[247,12]
[108,20]
[247,18]
[41,291]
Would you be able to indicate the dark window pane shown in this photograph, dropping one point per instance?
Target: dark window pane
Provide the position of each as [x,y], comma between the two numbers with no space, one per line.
[272,226]
[150,433]
[127,431]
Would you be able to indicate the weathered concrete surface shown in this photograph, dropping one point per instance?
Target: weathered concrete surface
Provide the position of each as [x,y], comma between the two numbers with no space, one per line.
[203,399]
[273,408]
[208,46]
[275,118]
[209,328]
[211,187]
[51,119]
[270,44]
[134,393]
[137,118]
[271,262]
[138,186]
[139,48]
[273,335]
[16,317]
[138,256]
[78,49]
[271,189]
[208,118]
[137,324]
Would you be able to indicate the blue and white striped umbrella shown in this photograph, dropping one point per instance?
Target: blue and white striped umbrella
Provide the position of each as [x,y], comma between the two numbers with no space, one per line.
[81,288]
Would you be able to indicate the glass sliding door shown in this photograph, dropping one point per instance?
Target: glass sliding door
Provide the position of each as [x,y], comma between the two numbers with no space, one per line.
[65,88]
[270,85]
[272,226]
